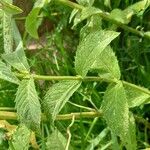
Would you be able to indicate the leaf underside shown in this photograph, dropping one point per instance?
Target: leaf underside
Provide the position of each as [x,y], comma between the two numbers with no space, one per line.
[57,96]
[28,105]
[115,109]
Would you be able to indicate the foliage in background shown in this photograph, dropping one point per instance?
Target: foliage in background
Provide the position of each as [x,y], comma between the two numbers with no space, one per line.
[77,78]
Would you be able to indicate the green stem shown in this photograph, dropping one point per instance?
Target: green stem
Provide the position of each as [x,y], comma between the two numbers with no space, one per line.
[58,78]
[106,16]
[7,109]
[6,115]
[86,79]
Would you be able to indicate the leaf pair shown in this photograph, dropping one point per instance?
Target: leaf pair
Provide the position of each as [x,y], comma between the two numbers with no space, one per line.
[28,105]
[88,53]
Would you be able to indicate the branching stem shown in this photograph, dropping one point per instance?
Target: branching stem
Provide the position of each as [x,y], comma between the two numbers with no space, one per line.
[107,17]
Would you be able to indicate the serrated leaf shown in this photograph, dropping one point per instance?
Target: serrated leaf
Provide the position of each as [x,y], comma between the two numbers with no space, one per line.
[17,59]
[135,97]
[32,22]
[90,48]
[130,141]
[28,105]
[20,139]
[56,141]
[9,8]
[57,96]
[115,109]
[6,74]
[107,64]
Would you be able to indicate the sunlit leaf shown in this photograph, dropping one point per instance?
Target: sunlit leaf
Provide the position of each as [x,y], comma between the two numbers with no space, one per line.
[115,109]
[90,48]
[28,105]
[57,96]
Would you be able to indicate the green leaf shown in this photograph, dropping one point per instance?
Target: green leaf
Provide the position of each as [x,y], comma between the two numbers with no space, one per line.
[1,31]
[94,23]
[57,96]
[17,59]
[84,14]
[137,7]
[130,140]
[6,74]
[115,109]
[86,2]
[32,22]
[90,48]
[107,64]
[135,97]
[95,142]
[119,16]
[107,3]
[16,35]
[9,8]
[28,105]
[20,139]
[56,141]
[7,33]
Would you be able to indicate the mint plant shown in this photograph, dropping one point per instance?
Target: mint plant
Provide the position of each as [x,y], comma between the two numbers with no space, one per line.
[95,62]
